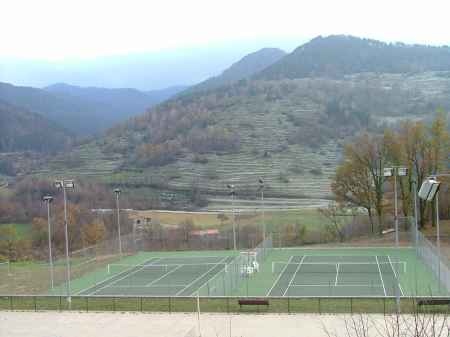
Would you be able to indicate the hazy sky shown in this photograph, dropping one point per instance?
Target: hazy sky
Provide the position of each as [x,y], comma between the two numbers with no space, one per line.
[158,43]
[58,29]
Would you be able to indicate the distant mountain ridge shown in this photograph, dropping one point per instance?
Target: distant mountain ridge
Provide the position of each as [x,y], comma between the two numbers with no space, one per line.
[244,68]
[338,55]
[22,130]
[84,111]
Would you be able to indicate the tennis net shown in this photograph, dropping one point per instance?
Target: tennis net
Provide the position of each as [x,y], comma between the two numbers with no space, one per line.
[339,267]
[116,268]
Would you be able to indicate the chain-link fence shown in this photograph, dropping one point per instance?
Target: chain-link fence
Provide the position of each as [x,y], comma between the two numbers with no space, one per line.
[318,305]
[36,277]
[432,257]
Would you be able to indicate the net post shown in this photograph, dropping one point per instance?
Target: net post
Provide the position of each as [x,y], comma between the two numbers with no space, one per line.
[273,267]
[109,269]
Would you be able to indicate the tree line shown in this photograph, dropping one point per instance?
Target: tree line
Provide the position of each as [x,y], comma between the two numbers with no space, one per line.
[423,149]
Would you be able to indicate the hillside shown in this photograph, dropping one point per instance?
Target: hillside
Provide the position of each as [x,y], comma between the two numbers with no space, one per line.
[244,68]
[21,130]
[288,131]
[84,111]
[338,55]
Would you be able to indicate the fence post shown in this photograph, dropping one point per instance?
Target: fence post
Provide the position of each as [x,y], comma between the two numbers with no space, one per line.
[87,303]
[351,305]
[320,309]
[11,302]
[35,304]
[384,306]
[59,305]
[289,305]
[228,305]
[170,305]
[140,303]
[114,304]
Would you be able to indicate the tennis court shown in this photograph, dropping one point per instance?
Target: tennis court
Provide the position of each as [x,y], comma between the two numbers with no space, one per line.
[331,275]
[161,276]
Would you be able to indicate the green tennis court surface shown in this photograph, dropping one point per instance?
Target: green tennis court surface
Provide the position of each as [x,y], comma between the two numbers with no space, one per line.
[330,275]
[160,276]
[285,272]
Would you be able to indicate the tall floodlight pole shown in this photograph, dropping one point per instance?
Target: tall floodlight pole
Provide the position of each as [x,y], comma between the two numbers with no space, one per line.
[48,200]
[64,185]
[429,191]
[401,172]
[117,192]
[261,188]
[232,193]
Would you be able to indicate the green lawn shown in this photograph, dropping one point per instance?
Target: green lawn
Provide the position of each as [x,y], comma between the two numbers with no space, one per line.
[23,230]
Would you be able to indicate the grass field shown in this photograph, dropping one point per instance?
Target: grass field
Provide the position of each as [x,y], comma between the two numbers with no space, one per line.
[310,218]
[23,230]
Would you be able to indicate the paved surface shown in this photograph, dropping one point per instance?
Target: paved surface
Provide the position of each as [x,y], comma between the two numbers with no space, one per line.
[54,324]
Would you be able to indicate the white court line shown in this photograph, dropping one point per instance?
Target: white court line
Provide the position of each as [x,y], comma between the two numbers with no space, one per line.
[198,278]
[293,276]
[125,271]
[339,285]
[381,276]
[153,286]
[164,275]
[337,275]
[396,277]
[279,276]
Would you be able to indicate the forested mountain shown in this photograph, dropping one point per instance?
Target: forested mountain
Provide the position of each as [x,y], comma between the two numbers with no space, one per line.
[287,130]
[338,55]
[21,130]
[244,68]
[84,111]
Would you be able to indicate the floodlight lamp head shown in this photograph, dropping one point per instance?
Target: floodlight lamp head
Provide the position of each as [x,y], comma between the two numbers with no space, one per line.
[58,184]
[230,186]
[388,172]
[402,171]
[261,181]
[117,191]
[429,189]
[47,198]
[69,184]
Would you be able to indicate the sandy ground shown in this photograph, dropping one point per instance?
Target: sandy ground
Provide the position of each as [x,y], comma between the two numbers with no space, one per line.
[53,324]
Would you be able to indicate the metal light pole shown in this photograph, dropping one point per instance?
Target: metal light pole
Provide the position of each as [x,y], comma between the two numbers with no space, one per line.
[48,200]
[232,193]
[401,172]
[261,188]
[117,192]
[429,191]
[64,184]
[438,239]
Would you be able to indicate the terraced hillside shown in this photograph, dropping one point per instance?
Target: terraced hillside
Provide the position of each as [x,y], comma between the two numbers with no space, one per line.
[289,133]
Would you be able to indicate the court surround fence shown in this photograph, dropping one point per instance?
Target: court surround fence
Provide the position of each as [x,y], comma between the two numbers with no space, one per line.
[428,252]
[319,305]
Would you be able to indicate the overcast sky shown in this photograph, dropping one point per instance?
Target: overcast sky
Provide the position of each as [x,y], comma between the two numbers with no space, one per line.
[58,29]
